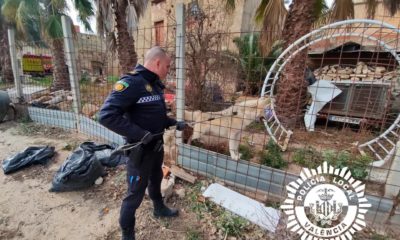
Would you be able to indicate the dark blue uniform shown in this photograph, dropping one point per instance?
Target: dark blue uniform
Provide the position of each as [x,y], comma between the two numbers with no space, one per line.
[136,106]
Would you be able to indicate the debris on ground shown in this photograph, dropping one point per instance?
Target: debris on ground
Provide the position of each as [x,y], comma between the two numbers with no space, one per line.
[255,212]
[31,155]
[84,166]
[182,174]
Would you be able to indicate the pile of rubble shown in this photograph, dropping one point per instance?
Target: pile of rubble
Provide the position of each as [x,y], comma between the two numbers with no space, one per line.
[51,100]
[60,100]
[362,72]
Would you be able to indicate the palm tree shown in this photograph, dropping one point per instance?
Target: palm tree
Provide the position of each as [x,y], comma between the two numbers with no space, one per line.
[302,15]
[5,59]
[115,20]
[43,18]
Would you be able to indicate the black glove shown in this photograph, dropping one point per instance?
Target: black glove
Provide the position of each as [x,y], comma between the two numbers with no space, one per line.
[148,137]
[180,125]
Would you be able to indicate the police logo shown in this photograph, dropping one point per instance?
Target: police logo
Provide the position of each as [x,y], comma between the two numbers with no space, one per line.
[120,86]
[149,88]
[325,203]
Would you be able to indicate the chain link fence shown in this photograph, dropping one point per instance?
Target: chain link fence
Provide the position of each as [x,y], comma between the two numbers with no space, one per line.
[215,85]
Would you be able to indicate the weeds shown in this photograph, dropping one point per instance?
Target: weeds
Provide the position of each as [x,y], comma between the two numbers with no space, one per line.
[193,235]
[357,164]
[307,157]
[256,127]
[272,156]
[245,152]
[230,224]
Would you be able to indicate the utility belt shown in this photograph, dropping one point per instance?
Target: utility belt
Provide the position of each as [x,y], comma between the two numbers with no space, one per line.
[135,150]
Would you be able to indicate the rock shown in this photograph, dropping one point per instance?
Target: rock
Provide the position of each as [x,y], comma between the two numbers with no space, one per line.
[89,109]
[365,70]
[380,69]
[70,98]
[181,193]
[99,181]
[345,76]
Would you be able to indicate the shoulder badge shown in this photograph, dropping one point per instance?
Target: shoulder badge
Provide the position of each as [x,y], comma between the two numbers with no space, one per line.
[120,86]
[149,88]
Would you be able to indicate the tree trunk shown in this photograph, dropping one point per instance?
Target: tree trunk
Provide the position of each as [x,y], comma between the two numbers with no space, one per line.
[60,68]
[127,55]
[5,59]
[292,87]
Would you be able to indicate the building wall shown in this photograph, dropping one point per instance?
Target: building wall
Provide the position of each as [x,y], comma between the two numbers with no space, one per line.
[235,23]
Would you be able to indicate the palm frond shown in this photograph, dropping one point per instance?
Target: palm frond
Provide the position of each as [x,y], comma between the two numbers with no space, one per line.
[135,10]
[230,5]
[9,9]
[27,20]
[371,8]
[140,6]
[104,17]
[342,10]
[85,10]
[272,14]
[53,26]
[392,6]
[59,5]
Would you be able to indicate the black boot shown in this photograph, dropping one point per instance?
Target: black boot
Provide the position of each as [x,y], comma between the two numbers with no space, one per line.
[160,210]
[128,234]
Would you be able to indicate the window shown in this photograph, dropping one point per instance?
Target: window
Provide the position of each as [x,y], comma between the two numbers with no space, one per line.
[159,27]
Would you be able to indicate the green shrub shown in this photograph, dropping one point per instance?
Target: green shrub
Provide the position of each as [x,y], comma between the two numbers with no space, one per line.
[255,127]
[245,152]
[272,156]
[231,225]
[357,164]
[85,78]
[307,157]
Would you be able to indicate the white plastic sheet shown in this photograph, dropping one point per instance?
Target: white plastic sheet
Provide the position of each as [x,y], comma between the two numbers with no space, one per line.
[322,92]
[255,212]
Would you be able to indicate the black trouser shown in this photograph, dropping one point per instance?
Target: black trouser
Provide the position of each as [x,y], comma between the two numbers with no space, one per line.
[139,176]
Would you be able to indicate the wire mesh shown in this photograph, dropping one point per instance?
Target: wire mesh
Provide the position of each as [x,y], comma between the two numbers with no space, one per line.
[225,75]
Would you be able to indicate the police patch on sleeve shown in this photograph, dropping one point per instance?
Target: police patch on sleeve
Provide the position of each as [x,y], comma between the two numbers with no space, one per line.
[120,86]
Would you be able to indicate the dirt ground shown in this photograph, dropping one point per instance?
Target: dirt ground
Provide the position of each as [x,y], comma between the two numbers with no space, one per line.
[29,211]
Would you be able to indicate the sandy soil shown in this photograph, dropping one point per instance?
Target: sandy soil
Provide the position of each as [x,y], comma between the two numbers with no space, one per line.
[29,211]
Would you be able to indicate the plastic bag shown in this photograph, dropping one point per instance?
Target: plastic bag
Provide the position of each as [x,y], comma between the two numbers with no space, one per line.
[81,169]
[31,155]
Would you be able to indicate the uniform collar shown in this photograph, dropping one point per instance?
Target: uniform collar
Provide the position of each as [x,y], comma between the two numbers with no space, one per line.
[147,74]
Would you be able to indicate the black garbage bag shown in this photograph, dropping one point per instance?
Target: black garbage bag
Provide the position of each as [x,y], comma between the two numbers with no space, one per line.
[31,155]
[81,169]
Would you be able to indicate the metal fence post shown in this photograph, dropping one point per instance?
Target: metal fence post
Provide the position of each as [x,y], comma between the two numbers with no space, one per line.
[14,64]
[180,66]
[72,69]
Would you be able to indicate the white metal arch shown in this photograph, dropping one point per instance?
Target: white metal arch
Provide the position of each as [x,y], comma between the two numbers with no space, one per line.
[281,135]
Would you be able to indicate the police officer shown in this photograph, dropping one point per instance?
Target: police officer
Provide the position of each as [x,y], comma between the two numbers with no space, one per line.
[136,110]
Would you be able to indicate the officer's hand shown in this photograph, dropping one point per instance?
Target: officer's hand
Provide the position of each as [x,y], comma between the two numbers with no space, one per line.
[147,138]
[180,125]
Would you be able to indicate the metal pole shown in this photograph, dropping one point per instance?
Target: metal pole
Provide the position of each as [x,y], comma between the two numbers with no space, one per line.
[180,66]
[14,64]
[72,69]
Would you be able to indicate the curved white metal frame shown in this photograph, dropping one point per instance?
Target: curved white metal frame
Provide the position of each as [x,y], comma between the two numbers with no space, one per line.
[280,134]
